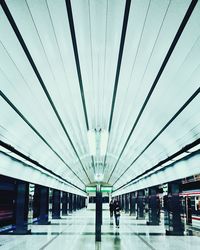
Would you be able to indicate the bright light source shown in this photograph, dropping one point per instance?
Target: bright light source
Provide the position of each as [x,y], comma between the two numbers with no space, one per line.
[103,142]
[180,156]
[98,177]
[92,142]
[195,148]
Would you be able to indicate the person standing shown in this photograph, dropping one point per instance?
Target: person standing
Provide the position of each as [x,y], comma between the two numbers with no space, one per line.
[117,212]
[111,207]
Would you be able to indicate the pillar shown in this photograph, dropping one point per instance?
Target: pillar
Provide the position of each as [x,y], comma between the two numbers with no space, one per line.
[41,205]
[64,203]
[70,203]
[56,204]
[21,207]
[127,197]
[132,203]
[153,206]
[173,209]
[140,205]
[98,214]
[74,202]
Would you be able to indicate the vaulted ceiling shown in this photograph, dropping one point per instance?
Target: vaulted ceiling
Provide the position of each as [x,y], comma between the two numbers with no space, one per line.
[131,68]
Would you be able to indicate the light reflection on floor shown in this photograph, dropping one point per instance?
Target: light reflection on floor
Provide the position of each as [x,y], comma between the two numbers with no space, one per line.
[76,232]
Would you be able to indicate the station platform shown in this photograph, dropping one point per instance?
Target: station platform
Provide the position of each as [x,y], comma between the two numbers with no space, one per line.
[77,232]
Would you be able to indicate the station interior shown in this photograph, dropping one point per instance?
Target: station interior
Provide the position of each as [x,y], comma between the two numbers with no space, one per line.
[99,124]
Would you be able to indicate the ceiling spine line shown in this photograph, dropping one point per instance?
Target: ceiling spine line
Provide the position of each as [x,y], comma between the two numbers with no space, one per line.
[169,53]
[121,49]
[78,67]
[29,57]
[184,149]
[192,97]
[58,47]
[15,151]
[36,132]
[73,36]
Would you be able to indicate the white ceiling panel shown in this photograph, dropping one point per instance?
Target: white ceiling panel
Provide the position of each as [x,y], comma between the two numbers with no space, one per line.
[78,65]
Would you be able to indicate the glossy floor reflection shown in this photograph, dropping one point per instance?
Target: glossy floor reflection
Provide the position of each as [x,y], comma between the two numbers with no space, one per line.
[76,232]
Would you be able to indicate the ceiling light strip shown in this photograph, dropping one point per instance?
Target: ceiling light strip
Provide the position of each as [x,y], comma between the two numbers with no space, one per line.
[187,148]
[15,151]
[162,130]
[73,36]
[29,57]
[36,132]
[171,49]
[121,48]
[60,53]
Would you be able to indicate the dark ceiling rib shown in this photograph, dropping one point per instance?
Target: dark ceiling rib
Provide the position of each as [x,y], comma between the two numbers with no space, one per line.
[73,36]
[36,132]
[162,130]
[173,45]
[15,151]
[184,149]
[121,48]
[29,57]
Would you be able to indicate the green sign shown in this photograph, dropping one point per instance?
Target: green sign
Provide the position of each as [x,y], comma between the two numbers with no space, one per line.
[90,189]
[106,189]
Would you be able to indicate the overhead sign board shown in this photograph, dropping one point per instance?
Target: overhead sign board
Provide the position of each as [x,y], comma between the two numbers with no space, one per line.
[90,189]
[106,189]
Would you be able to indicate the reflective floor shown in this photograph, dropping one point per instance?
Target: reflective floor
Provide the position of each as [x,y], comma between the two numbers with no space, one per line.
[76,232]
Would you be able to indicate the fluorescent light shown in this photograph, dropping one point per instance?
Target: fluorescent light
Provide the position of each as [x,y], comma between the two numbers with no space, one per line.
[103,142]
[195,148]
[180,156]
[98,177]
[92,142]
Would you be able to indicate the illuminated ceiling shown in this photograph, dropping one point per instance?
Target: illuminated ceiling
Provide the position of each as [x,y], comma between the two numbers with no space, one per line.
[131,68]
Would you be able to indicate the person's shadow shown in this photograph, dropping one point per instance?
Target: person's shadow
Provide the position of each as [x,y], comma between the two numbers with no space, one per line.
[117,241]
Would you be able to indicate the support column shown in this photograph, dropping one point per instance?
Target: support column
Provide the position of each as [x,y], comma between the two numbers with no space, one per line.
[21,207]
[123,203]
[41,205]
[98,214]
[75,202]
[70,203]
[132,203]
[140,205]
[127,203]
[64,203]
[153,206]
[78,202]
[173,209]
[56,204]
[83,202]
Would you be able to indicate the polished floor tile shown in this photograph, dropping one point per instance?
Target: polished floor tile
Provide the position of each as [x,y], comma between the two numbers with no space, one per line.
[76,232]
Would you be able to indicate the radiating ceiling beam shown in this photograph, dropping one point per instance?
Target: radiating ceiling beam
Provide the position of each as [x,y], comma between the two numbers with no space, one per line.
[184,149]
[36,132]
[78,68]
[30,59]
[169,53]
[73,36]
[27,158]
[121,49]
[192,97]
